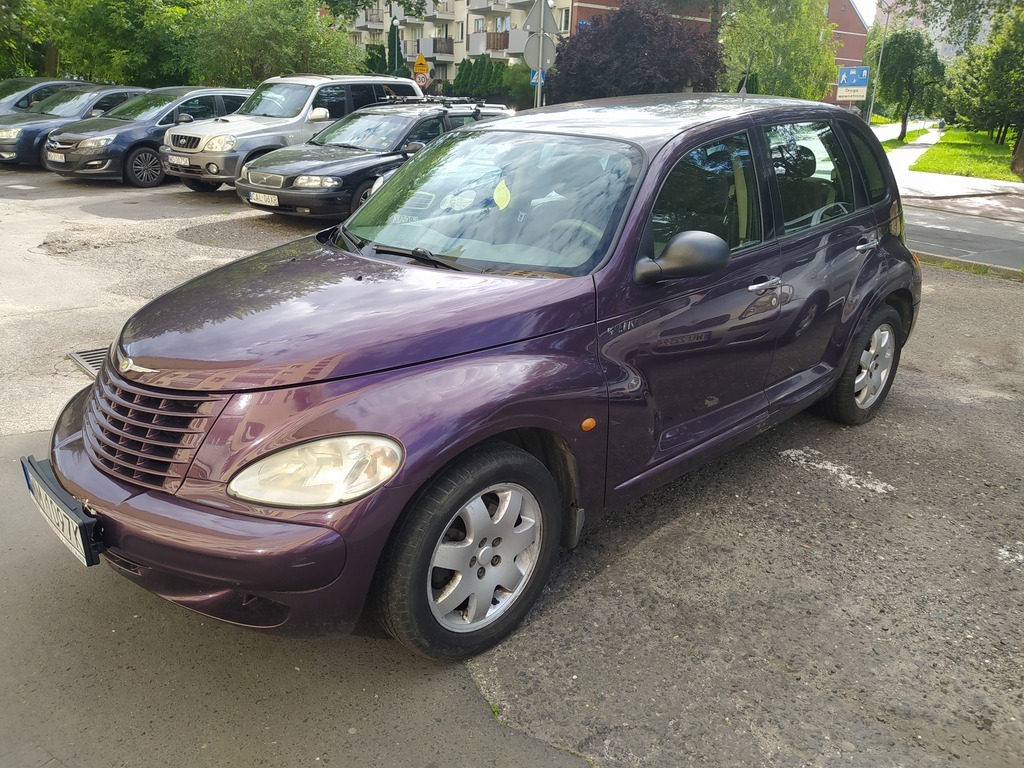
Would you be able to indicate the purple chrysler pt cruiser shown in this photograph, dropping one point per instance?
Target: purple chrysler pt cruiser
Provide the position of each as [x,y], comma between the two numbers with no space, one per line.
[532,321]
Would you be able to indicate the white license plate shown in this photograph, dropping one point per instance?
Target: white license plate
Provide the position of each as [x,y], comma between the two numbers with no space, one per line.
[54,157]
[261,199]
[72,525]
[177,160]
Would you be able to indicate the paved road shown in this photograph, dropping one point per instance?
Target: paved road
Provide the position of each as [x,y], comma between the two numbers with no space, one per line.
[974,238]
[823,596]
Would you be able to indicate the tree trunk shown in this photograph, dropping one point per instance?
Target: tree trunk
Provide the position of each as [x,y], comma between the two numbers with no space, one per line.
[903,126]
[1017,164]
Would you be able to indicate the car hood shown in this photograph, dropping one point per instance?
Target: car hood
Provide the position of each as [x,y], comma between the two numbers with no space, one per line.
[314,158]
[34,120]
[94,126]
[235,125]
[308,312]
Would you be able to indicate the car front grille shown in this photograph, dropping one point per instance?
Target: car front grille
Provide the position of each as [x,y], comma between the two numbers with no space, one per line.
[260,179]
[146,436]
[56,145]
[180,141]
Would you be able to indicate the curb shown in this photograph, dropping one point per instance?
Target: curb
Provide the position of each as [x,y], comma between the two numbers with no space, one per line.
[973,267]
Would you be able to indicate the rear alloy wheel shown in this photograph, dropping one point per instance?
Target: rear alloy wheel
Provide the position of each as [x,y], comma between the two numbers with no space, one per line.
[143,169]
[472,555]
[869,372]
[198,185]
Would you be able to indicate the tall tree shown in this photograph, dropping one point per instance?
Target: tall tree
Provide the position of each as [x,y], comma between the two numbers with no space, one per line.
[961,20]
[911,74]
[241,42]
[786,44]
[24,33]
[640,48]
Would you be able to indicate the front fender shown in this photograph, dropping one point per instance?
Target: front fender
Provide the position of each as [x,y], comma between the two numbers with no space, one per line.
[436,410]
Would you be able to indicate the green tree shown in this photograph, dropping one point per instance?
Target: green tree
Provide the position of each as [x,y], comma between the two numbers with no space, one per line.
[517,88]
[640,48]
[143,42]
[460,85]
[241,42]
[786,44]
[24,33]
[962,21]
[911,74]
[347,9]
[376,59]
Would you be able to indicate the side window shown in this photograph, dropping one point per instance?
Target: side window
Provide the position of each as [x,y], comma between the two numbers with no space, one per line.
[400,89]
[111,100]
[332,98]
[814,177]
[711,189]
[39,94]
[874,178]
[232,102]
[457,121]
[426,131]
[200,107]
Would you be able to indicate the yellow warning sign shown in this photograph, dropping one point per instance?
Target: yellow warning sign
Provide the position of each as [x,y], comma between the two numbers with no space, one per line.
[421,66]
[502,195]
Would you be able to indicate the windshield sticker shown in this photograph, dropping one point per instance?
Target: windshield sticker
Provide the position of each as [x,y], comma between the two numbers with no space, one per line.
[502,195]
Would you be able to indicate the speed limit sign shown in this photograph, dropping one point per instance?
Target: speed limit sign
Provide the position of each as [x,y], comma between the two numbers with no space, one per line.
[422,79]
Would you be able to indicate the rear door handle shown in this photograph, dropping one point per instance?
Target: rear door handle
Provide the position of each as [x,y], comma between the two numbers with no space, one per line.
[772,282]
[867,244]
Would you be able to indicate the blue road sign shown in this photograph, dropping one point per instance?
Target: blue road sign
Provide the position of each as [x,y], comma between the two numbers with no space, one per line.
[853,77]
[533,76]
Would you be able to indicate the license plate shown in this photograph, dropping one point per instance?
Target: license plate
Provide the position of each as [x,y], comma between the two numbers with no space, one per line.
[64,514]
[177,160]
[262,199]
[54,157]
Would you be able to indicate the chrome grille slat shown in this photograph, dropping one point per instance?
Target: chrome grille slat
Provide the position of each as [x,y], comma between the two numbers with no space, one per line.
[261,179]
[146,436]
[181,141]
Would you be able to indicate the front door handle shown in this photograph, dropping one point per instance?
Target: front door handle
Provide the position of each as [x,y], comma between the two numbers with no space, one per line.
[769,284]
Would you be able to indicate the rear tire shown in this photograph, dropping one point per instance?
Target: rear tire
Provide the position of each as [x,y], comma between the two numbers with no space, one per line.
[143,168]
[471,555]
[869,372]
[198,185]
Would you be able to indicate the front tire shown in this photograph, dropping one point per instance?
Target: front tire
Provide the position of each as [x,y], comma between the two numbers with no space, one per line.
[869,372]
[360,196]
[471,555]
[198,185]
[142,168]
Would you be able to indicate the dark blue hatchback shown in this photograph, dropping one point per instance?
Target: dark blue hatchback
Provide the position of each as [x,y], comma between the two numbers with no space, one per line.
[123,143]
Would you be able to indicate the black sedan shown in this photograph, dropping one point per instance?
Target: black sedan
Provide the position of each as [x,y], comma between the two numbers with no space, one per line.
[23,134]
[124,143]
[334,172]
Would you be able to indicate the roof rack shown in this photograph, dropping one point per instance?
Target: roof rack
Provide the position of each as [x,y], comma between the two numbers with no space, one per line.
[444,101]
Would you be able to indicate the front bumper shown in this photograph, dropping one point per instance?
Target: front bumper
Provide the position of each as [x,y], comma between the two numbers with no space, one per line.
[21,149]
[314,203]
[104,163]
[205,166]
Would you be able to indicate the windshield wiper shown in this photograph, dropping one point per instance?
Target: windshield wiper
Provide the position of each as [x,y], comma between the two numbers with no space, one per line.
[423,256]
[352,237]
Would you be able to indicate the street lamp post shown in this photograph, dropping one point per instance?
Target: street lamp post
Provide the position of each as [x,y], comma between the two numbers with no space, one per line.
[394,60]
[887,7]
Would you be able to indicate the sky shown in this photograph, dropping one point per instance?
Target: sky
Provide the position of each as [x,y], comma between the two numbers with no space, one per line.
[867,9]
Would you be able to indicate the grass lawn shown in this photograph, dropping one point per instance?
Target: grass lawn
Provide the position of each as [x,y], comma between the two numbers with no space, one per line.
[912,136]
[968,153]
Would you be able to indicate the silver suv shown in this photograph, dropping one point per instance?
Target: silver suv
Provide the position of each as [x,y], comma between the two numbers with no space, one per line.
[282,111]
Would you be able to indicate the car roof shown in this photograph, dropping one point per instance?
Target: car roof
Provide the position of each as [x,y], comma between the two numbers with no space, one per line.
[652,120]
[421,108]
[312,79]
[90,88]
[187,90]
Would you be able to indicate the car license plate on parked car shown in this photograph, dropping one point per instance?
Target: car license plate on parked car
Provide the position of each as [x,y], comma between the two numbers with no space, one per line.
[65,514]
[262,199]
[177,160]
[54,157]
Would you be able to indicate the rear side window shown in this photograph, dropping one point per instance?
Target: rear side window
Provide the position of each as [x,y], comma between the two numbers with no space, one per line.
[814,177]
[363,95]
[426,131]
[711,189]
[457,121]
[874,178]
[399,89]
[111,100]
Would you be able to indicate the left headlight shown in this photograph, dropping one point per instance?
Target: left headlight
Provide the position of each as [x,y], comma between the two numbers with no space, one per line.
[9,133]
[317,182]
[322,473]
[96,141]
[221,144]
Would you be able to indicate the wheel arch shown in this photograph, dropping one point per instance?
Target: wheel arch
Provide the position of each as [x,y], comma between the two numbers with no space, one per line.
[903,302]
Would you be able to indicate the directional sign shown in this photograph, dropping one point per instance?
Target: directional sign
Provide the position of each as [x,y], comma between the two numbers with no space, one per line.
[421,66]
[534,19]
[853,77]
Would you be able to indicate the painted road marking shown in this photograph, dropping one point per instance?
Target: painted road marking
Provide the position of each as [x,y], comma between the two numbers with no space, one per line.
[844,475]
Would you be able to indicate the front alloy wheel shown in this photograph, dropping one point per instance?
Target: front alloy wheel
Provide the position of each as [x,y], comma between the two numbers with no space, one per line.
[471,555]
[143,168]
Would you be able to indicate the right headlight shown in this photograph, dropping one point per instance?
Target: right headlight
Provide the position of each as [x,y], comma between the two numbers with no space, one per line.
[220,144]
[321,473]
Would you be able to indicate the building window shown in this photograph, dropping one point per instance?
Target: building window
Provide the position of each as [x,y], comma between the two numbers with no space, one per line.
[564,15]
[460,31]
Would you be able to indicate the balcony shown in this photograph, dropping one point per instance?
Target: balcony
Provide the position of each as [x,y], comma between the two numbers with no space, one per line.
[493,43]
[488,8]
[410,48]
[407,21]
[441,11]
[374,18]
[517,41]
[437,48]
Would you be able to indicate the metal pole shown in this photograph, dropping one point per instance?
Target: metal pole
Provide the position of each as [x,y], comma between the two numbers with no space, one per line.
[537,98]
[878,69]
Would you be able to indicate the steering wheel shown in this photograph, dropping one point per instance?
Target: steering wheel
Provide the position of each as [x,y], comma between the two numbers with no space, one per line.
[820,213]
[576,225]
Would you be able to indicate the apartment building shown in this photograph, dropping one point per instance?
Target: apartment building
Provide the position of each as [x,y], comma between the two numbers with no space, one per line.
[851,33]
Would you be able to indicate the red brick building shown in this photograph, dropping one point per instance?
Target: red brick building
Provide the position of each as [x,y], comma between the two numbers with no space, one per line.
[851,33]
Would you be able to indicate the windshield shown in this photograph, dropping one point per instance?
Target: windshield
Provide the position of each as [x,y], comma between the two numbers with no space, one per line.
[534,204]
[68,103]
[366,131]
[144,107]
[276,100]
[7,87]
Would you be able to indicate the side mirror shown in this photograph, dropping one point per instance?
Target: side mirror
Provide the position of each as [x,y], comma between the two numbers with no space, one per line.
[319,114]
[688,254]
[184,117]
[95,113]
[412,147]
